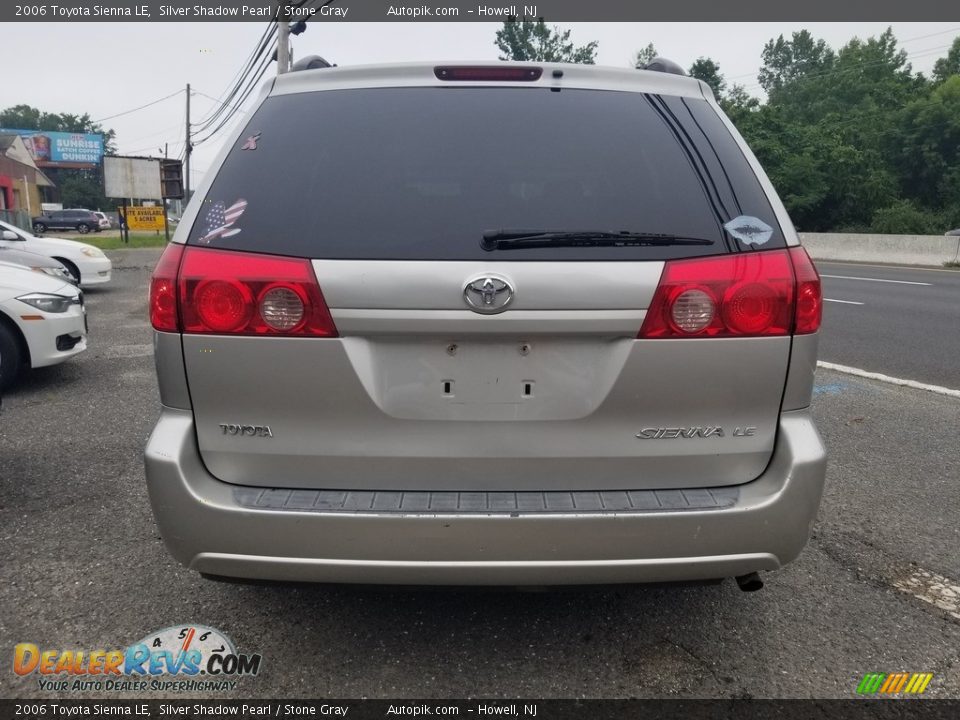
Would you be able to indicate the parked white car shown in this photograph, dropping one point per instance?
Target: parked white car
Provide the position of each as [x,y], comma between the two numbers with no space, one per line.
[87,263]
[42,321]
[36,262]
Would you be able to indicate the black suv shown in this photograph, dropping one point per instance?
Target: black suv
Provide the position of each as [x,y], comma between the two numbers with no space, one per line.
[82,221]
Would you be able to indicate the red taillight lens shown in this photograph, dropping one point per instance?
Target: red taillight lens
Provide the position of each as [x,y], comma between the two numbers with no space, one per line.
[809,293]
[223,306]
[163,290]
[725,296]
[751,308]
[235,293]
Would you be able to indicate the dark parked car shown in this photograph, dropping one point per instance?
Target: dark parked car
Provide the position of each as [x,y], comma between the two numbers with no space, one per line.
[83,221]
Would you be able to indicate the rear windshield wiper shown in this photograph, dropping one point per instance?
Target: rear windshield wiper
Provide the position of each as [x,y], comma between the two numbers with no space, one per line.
[522,239]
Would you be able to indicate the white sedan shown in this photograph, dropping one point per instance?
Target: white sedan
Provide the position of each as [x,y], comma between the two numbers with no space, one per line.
[87,263]
[42,321]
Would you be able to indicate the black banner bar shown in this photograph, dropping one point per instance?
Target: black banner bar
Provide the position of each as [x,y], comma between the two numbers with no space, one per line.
[473,11]
[874,709]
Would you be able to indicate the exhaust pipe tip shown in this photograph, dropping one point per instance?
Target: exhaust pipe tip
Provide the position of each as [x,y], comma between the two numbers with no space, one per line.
[750,582]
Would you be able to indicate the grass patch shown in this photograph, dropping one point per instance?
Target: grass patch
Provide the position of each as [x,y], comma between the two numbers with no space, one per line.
[952,265]
[115,242]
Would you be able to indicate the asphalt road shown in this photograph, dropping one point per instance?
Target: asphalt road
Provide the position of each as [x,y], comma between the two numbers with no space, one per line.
[82,566]
[903,322]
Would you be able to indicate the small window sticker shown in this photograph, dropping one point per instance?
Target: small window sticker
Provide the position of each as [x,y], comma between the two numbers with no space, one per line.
[251,142]
[749,230]
[219,220]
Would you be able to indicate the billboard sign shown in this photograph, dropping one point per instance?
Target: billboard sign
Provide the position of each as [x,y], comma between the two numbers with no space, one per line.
[131,177]
[60,149]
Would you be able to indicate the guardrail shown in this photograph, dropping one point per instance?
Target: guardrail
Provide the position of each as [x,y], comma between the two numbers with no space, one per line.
[931,250]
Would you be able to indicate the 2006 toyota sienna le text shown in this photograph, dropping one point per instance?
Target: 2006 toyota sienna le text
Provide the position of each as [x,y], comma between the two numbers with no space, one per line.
[520,324]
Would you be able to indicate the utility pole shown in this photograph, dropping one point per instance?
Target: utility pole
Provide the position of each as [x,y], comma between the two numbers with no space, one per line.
[188,148]
[163,201]
[283,38]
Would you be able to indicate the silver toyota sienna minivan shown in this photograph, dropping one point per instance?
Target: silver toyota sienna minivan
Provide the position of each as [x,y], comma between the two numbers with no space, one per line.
[521,324]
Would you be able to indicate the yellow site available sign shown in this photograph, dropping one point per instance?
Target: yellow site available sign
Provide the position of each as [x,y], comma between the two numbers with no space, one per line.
[144,218]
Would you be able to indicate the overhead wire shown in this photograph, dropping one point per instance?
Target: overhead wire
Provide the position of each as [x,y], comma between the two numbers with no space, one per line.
[139,107]
[238,85]
[208,133]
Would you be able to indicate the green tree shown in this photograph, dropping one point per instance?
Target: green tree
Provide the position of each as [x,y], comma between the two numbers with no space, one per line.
[785,61]
[948,66]
[904,217]
[644,56]
[707,70]
[739,104]
[533,40]
[926,146]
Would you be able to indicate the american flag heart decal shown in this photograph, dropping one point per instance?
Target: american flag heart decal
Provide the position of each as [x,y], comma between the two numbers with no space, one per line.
[220,219]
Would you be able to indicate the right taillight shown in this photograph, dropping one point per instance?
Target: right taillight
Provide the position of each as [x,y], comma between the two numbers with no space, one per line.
[809,294]
[211,291]
[760,294]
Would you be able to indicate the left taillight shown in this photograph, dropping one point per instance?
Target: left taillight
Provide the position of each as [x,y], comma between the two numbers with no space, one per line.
[236,293]
[208,291]
[164,315]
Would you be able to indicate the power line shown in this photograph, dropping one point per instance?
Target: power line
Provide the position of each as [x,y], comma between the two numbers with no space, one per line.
[210,97]
[141,107]
[251,85]
[239,79]
[231,104]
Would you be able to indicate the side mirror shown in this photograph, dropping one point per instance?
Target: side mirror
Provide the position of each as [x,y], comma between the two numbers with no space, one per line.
[11,235]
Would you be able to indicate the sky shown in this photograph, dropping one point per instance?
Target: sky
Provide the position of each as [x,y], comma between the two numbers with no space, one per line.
[119,66]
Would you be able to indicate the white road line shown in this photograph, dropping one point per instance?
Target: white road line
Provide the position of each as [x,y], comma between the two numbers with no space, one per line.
[898,282]
[845,302]
[932,588]
[949,392]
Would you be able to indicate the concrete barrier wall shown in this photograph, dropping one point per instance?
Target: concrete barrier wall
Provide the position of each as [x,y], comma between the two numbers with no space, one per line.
[933,250]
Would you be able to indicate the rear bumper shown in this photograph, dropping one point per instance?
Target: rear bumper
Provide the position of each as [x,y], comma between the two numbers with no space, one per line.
[212,527]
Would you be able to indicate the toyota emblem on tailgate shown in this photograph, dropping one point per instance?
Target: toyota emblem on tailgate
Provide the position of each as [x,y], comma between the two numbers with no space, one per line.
[488,294]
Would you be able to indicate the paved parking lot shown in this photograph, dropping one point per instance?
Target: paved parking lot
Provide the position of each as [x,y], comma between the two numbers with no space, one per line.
[82,566]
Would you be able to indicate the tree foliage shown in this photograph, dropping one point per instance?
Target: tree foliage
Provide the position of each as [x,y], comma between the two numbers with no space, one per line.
[852,138]
[533,40]
[707,70]
[644,56]
[948,66]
